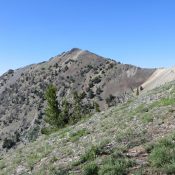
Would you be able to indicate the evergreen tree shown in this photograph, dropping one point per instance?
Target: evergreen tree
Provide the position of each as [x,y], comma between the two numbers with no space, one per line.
[76,108]
[110,101]
[96,106]
[137,91]
[65,111]
[52,110]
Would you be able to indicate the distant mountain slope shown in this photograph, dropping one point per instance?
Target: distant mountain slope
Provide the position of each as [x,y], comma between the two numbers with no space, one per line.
[159,77]
[22,90]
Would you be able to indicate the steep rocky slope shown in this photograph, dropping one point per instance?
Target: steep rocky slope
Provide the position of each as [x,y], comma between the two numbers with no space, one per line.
[159,77]
[22,90]
[122,140]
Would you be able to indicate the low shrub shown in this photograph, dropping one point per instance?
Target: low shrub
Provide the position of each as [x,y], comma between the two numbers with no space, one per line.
[162,156]
[76,136]
[8,143]
[163,102]
[91,169]
[114,166]
[147,118]
[91,154]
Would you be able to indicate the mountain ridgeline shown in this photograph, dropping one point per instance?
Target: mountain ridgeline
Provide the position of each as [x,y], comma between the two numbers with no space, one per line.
[102,81]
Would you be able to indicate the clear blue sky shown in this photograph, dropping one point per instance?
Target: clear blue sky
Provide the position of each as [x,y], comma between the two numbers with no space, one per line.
[140,32]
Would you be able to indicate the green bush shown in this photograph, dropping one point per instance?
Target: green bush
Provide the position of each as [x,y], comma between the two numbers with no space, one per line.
[96,106]
[162,156]
[147,118]
[8,143]
[114,166]
[99,91]
[110,101]
[94,152]
[76,136]
[91,94]
[163,102]
[62,172]
[59,172]
[91,169]
[91,154]
[96,80]
[48,131]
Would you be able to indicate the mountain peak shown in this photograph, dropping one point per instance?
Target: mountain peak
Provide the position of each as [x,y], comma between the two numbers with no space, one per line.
[74,50]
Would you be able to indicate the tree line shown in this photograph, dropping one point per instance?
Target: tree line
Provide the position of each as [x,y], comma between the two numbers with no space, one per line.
[59,114]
